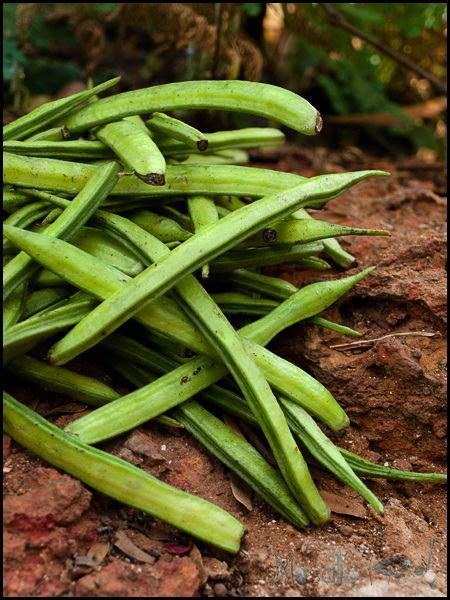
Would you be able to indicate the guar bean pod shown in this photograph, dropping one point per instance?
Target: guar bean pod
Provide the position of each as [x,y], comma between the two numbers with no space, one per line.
[136,150]
[203,213]
[39,118]
[261,99]
[161,123]
[259,257]
[25,216]
[74,149]
[69,177]
[115,477]
[164,228]
[249,137]
[41,299]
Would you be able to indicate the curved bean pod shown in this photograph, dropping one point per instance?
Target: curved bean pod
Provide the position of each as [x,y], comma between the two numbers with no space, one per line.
[203,213]
[136,150]
[76,149]
[161,123]
[260,257]
[261,99]
[70,177]
[301,231]
[308,301]
[48,113]
[121,480]
[249,137]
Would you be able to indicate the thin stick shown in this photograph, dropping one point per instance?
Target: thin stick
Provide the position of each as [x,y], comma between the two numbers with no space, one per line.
[363,343]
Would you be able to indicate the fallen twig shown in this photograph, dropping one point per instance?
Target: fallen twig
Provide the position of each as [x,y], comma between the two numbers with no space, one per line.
[364,343]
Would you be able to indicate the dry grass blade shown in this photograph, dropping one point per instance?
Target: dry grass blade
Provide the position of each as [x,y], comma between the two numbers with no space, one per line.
[240,489]
[364,343]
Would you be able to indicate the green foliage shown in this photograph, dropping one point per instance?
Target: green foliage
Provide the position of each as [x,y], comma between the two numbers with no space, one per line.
[356,77]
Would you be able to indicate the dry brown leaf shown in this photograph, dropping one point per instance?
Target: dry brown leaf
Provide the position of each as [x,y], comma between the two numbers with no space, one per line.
[240,489]
[98,552]
[196,556]
[143,444]
[123,542]
[344,506]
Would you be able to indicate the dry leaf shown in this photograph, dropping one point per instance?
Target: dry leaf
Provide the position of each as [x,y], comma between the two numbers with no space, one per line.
[240,489]
[196,556]
[98,552]
[123,542]
[143,444]
[344,506]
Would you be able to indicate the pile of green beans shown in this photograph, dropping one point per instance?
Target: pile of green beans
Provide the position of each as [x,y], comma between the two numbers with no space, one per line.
[117,210]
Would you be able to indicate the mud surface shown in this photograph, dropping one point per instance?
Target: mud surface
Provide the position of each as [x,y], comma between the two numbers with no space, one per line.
[62,539]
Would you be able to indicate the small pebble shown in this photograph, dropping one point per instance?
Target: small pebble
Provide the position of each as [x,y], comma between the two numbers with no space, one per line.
[220,590]
[346,530]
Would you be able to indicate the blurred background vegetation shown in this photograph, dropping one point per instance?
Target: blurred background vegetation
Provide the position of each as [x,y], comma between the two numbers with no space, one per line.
[376,72]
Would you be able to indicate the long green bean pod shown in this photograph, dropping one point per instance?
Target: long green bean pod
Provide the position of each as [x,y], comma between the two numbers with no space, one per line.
[249,137]
[14,200]
[70,177]
[58,379]
[203,213]
[240,304]
[13,307]
[41,299]
[66,225]
[331,246]
[221,157]
[301,231]
[193,253]
[161,123]
[222,337]
[162,227]
[261,99]
[74,149]
[91,275]
[23,336]
[371,469]
[54,134]
[258,257]
[308,301]
[25,216]
[119,479]
[46,114]
[136,150]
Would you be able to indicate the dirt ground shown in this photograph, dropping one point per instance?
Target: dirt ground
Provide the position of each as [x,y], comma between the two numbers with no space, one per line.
[62,539]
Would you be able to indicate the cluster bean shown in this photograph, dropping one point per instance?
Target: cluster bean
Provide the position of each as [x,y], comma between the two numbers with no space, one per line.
[155,212]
